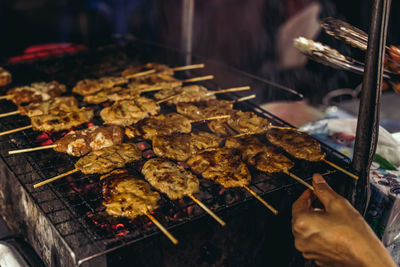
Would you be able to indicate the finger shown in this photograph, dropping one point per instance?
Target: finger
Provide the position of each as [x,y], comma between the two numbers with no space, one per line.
[302,204]
[323,191]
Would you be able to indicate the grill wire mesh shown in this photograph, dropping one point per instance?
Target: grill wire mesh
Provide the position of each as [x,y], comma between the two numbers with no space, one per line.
[74,204]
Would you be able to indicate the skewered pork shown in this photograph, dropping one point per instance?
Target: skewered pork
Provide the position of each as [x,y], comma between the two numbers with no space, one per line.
[36,92]
[109,158]
[81,142]
[64,103]
[181,146]
[239,122]
[112,94]
[170,178]
[127,196]
[159,68]
[190,93]
[296,143]
[204,109]
[262,157]
[222,166]
[5,77]
[154,82]
[127,112]
[91,86]
[58,120]
[163,124]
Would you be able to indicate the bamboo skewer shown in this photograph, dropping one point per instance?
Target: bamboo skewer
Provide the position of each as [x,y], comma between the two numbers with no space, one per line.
[10,113]
[274,211]
[340,169]
[16,130]
[206,209]
[168,98]
[212,118]
[198,79]
[235,89]
[5,97]
[55,178]
[188,67]
[298,179]
[245,98]
[163,229]
[31,149]
[140,74]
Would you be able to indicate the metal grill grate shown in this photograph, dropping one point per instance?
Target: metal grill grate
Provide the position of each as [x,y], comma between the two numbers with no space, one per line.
[73,204]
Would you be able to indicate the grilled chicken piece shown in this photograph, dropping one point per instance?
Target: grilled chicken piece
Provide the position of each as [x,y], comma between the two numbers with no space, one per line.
[222,166]
[36,92]
[5,77]
[154,82]
[298,144]
[239,122]
[204,109]
[170,178]
[112,94]
[81,142]
[109,158]
[58,120]
[190,93]
[159,68]
[127,196]
[91,86]
[262,157]
[163,124]
[181,146]
[64,103]
[127,112]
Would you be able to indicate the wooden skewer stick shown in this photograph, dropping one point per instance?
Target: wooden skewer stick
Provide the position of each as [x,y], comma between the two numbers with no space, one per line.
[168,98]
[274,211]
[9,113]
[5,97]
[55,178]
[30,149]
[140,74]
[163,229]
[188,67]
[235,89]
[151,89]
[212,118]
[286,128]
[340,169]
[16,130]
[198,79]
[245,98]
[206,209]
[298,179]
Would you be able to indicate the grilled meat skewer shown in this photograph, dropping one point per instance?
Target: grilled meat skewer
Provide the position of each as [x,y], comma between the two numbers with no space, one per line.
[181,146]
[36,92]
[126,196]
[159,69]
[80,142]
[5,77]
[91,86]
[112,94]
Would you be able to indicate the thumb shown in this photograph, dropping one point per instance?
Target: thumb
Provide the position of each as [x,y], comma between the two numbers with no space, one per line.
[323,191]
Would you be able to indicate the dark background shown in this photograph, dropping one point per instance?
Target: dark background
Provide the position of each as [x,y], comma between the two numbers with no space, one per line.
[239,33]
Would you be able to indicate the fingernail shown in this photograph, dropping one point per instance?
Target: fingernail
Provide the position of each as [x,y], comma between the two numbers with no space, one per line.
[318,179]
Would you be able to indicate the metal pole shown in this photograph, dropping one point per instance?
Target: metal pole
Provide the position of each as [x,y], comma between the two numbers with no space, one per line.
[368,114]
[187,29]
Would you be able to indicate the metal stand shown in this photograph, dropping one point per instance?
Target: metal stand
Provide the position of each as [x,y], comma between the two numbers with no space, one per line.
[368,115]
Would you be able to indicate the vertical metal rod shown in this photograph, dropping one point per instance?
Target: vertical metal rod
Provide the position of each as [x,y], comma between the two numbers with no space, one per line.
[368,114]
[187,29]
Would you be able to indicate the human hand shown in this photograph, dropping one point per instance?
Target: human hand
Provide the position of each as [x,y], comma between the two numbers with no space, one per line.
[336,235]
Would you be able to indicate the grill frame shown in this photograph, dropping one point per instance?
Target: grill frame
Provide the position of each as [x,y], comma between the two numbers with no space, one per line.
[52,202]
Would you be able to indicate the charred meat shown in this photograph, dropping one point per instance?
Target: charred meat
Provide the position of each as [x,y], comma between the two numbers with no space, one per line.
[63,103]
[109,158]
[170,178]
[91,86]
[127,112]
[80,142]
[127,196]
[154,82]
[58,120]
[239,122]
[204,109]
[163,124]
[181,146]
[262,157]
[36,92]
[223,166]
[190,93]
[112,94]
[159,68]
[298,144]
